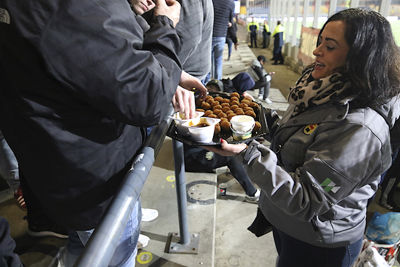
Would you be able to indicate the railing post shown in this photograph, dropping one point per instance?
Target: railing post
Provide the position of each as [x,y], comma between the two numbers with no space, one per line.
[181,191]
[185,243]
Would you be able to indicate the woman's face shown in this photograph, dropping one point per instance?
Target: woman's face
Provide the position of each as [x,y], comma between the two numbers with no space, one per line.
[142,6]
[332,50]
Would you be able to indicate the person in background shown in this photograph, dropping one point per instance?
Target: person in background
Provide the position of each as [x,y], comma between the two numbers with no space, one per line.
[278,43]
[266,34]
[39,224]
[331,146]
[198,159]
[252,28]
[241,83]
[223,16]
[261,77]
[231,38]
[88,116]
[9,171]
[195,29]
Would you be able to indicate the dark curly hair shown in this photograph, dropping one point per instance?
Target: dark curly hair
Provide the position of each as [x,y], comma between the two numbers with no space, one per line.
[373,60]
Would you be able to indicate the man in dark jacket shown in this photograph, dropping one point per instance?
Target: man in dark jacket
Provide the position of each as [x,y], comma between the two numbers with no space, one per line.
[91,84]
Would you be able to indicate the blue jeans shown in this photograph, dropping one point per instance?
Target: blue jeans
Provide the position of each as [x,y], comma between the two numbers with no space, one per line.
[8,164]
[217,47]
[125,253]
[293,252]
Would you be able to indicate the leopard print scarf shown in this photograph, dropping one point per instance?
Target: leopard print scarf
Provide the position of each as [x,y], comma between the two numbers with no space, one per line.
[312,93]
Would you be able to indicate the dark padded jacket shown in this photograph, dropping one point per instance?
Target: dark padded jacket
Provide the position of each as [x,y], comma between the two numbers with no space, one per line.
[79,82]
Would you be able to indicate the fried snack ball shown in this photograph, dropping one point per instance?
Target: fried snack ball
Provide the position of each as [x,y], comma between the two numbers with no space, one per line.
[248,97]
[218,98]
[224,119]
[235,94]
[214,103]
[257,126]
[235,103]
[254,105]
[243,105]
[207,113]
[222,115]
[212,116]
[217,107]
[209,97]
[231,115]
[205,105]
[200,110]
[210,100]
[225,126]
[246,101]
[234,98]
[239,112]
[226,109]
[247,109]
[223,104]
[217,111]
[250,113]
[225,100]
[217,128]
[233,107]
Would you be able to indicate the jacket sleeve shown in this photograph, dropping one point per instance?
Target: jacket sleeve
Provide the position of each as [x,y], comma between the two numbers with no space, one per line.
[98,50]
[259,72]
[337,162]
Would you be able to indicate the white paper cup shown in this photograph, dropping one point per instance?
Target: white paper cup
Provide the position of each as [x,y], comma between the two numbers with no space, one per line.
[203,134]
[179,120]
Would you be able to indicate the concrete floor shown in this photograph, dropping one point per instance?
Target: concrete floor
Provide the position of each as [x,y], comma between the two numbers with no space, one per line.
[220,222]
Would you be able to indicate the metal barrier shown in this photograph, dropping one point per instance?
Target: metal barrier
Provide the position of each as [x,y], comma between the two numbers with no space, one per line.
[103,242]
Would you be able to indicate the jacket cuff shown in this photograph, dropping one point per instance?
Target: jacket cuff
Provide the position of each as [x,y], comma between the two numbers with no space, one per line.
[163,20]
[250,153]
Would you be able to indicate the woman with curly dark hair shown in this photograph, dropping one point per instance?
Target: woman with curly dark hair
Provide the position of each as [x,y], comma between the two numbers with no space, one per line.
[331,146]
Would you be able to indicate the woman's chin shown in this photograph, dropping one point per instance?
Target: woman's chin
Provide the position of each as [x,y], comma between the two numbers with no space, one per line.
[317,74]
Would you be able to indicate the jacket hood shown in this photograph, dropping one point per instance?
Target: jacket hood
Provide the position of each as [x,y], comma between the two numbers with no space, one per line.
[390,111]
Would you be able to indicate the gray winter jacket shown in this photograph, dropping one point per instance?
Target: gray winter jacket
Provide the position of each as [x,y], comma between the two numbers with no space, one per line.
[323,166]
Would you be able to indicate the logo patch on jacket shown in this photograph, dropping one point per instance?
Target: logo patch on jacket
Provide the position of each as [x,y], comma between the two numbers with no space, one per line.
[309,129]
[4,16]
[329,186]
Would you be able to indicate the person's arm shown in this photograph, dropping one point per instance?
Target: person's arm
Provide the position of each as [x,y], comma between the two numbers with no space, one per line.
[232,12]
[259,72]
[98,50]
